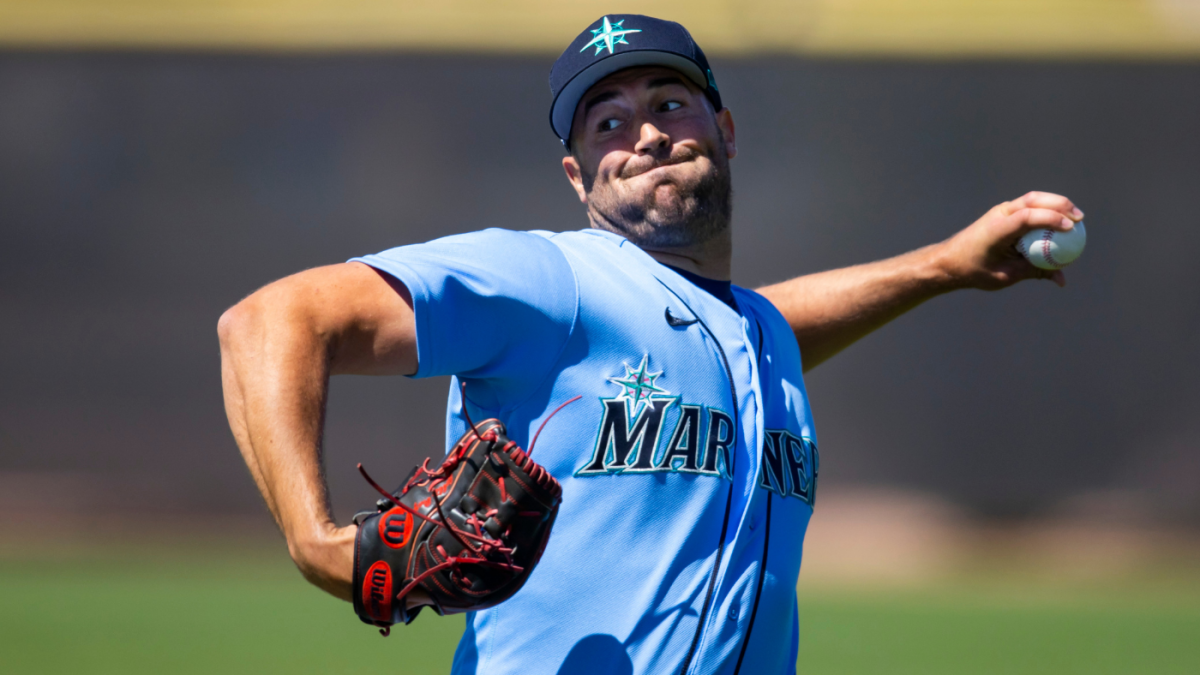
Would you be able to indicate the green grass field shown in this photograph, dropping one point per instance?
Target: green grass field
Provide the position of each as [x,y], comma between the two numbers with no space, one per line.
[979,626]
[225,610]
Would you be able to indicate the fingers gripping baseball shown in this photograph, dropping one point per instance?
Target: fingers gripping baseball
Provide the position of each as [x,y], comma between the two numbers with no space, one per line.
[1046,200]
[984,255]
[1027,219]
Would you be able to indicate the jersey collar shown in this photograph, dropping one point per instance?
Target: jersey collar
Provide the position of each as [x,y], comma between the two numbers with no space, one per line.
[669,277]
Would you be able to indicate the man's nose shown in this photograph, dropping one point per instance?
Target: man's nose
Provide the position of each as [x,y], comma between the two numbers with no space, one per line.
[652,140]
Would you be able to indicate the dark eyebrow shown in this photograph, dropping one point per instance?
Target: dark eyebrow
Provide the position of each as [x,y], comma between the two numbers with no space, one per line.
[664,81]
[597,100]
[609,95]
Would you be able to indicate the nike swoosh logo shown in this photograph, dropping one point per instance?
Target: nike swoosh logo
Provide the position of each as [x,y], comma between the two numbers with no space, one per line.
[675,321]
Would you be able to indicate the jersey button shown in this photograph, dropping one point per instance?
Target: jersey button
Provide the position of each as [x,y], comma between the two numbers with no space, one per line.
[733,613]
[753,523]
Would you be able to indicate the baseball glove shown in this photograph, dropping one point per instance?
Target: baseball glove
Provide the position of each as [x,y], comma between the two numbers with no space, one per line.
[468,533]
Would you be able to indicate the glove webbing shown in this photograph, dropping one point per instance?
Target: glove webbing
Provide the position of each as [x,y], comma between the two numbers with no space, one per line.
[487,545]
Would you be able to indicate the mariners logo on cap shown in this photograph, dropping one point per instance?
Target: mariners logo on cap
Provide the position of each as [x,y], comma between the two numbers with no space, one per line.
[608,35]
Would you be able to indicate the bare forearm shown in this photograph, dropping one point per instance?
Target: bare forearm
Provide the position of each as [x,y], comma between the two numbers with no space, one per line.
[276,378]
[278,349]
[235,411]
[275,370]
[832,310]
[829,311]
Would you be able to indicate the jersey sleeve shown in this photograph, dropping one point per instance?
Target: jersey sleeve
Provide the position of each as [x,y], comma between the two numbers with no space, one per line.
[496,306]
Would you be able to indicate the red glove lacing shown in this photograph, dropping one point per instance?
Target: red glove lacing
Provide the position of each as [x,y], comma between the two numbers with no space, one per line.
[486,546]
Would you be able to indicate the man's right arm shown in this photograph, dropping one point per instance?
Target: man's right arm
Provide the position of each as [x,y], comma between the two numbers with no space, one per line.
[278,348]
[829,311]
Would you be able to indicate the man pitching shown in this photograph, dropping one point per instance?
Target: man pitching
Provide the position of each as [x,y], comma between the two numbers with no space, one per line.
[689,469]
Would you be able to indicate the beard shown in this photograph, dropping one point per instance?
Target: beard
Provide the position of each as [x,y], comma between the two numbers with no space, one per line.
[694,209]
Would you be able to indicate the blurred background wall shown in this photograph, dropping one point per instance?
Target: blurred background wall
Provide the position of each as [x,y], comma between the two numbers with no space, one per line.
[158,161]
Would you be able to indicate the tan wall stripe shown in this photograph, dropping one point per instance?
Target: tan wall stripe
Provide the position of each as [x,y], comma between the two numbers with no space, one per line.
[919,28]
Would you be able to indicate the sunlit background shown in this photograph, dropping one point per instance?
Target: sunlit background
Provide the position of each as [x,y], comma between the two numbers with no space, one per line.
[1010,482]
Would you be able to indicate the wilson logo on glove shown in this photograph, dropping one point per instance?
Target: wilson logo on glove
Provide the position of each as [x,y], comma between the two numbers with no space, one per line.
[467,533]
[377,591]
[395,528]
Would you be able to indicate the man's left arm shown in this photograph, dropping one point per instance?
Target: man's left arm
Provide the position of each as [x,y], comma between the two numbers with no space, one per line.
[832,310]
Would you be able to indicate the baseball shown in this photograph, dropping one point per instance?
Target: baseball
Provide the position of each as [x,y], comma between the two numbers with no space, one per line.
[1052,250]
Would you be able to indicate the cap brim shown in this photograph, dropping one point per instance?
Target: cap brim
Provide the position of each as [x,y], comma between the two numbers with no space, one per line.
[562,111]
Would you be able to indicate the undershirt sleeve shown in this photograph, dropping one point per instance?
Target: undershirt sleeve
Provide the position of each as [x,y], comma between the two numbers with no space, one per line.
[494,306]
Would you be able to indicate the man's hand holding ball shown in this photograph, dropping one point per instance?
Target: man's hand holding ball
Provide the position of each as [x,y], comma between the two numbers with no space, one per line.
[1032,237]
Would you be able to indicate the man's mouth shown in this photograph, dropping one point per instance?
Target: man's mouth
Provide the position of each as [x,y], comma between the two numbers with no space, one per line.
[658,166]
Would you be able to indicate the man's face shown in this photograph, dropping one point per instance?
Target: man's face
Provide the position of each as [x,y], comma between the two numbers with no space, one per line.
[650,158]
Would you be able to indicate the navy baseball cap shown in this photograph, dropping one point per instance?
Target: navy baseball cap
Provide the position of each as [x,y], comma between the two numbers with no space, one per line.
[620,41]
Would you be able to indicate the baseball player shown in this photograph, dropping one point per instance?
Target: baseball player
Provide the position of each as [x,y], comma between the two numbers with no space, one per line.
[689,469]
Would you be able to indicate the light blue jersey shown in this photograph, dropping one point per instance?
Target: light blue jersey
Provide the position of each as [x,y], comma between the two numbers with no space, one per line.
[688,470]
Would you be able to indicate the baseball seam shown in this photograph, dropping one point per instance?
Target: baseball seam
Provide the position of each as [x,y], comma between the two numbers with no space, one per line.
[1046,238]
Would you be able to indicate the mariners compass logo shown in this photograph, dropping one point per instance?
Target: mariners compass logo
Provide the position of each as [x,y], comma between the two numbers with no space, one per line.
[608,35]
[631,430]
[638,386]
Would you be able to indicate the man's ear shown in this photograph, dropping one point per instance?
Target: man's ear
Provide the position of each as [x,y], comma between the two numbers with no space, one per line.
[575,175]
[725,124]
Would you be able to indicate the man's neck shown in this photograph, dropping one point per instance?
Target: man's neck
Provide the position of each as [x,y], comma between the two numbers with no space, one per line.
[712,259]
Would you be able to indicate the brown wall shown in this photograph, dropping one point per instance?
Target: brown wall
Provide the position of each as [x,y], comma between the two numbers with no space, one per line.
[141,194]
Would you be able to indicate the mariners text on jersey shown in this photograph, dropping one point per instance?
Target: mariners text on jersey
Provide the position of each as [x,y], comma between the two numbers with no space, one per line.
[629,439]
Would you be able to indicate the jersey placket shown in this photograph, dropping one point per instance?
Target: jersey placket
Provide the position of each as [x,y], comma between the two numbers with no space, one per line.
[734,600]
